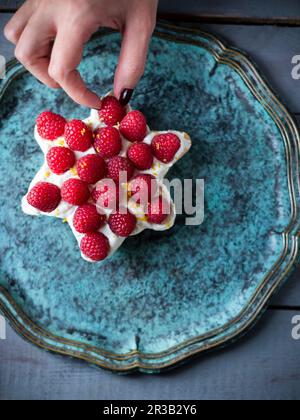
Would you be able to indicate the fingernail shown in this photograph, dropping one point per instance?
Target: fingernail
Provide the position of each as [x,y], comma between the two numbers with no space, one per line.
[125,97]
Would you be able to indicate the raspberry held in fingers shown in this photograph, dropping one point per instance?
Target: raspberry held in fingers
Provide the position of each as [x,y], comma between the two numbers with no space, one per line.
[111,112]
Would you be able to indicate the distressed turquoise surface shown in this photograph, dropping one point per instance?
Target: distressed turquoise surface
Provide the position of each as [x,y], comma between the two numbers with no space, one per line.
[160,289]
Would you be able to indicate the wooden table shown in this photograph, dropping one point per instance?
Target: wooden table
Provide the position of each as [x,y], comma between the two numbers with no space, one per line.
[265,364]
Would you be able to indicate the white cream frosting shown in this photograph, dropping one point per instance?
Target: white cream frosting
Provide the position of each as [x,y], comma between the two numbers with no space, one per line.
[66,211]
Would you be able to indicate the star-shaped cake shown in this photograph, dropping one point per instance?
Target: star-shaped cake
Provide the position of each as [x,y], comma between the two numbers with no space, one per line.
[104,176]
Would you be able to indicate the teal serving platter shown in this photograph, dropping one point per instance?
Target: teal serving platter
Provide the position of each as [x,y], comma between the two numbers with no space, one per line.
[164,297]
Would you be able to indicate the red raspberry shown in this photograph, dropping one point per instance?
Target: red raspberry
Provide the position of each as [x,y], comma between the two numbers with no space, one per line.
[122,224]
[75,192]
[44,197]
[108,142]
[106,194]
[141,156]
[158,211]
[165,147]
[79,136]
[143,185]
[50,126]
[60,160]
[87,219]
[134,126]
[119,164]
[112,112]
[91,168]
[95,246]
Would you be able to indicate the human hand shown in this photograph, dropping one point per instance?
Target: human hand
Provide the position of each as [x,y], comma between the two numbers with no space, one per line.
[50,35]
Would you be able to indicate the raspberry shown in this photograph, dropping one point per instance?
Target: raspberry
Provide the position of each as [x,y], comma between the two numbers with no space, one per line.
[95,246]
[112,112]
[143,185]
[108,142]
[91,168]
[60,160]
[75,192]
[165,147]
[87,219]
[106,194]
[119,164]
[134,126]
[44,197]
[158,211]
[122,224]
[141,156]
[78,136]
[50,126]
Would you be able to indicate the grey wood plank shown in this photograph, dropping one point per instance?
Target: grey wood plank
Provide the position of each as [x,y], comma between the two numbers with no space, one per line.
[262,366]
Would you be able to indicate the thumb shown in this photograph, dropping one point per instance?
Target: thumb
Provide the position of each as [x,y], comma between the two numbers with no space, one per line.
[132,59]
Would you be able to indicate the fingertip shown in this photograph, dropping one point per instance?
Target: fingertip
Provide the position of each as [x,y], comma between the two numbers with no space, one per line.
[125,96]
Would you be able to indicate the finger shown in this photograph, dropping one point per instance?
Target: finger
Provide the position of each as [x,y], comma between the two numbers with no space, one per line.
[66,56]
[34,48]
[14,28]
[133,57]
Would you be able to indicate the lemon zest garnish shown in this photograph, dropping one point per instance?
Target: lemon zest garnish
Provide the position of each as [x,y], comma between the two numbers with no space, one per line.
[61,142]
[47,174]
[65,220]
[74,171]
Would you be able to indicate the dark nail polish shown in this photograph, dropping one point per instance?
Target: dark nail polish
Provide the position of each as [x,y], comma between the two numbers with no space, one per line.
[125,97]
